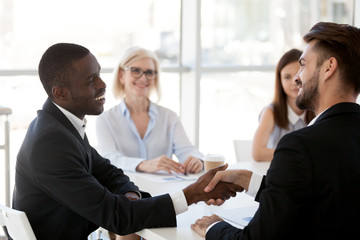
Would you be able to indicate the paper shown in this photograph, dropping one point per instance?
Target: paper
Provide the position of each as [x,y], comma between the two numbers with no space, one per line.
[240,216]
[166,177]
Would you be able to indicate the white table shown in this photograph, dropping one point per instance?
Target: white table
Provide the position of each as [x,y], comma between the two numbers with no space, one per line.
[183,230]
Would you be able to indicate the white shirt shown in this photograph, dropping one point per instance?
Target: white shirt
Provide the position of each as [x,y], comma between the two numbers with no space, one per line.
[78,123]
[120,141]
[295,122]
[293,117]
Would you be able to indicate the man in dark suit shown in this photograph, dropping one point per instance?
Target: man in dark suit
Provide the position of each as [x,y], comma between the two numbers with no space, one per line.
[66,189]
[311,190]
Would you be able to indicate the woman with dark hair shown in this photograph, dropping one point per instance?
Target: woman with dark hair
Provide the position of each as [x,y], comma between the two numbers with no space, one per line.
[282,115]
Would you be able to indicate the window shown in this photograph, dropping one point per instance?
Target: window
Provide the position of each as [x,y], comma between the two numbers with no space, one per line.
[241,44]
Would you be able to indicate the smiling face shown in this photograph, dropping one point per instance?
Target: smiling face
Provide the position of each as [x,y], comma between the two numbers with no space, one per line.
[307,79]
[85,87]
[138,87]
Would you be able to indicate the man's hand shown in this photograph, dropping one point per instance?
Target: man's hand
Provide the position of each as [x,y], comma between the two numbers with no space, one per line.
[193,165]
[202,224]
[132,196]
[239,177]
[195,192]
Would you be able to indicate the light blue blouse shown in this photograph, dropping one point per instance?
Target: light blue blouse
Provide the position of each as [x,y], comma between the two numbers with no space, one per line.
[120,142]
[295,122]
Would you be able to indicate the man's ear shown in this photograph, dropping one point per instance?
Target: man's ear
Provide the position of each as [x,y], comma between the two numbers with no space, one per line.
[59,93]
[331,66]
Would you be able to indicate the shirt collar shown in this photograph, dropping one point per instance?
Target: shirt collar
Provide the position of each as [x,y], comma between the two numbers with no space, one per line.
[78,123]
[315,118]
[152,108]
[293,117]
[123,107]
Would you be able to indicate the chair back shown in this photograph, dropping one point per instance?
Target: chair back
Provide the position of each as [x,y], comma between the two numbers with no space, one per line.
[15,224]
[243,150]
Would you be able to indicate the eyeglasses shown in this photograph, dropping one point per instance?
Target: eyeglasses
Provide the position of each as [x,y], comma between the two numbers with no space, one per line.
[138,72]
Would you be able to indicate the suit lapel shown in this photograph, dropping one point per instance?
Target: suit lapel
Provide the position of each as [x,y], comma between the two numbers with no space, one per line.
[50,108]
[88,151]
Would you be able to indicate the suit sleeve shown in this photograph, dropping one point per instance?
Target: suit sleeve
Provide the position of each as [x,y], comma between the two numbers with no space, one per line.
[262,186]
[86,183]
[111,177]
[283,202]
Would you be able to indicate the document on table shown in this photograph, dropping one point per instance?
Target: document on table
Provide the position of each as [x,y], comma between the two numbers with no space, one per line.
[239,216]
[166,177]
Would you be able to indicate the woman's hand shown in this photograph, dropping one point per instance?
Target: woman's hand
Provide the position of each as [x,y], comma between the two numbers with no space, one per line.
[160,163]
[193,165]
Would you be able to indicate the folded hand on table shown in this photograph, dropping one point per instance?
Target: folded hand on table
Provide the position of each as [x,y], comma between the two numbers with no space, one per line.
[223,190]
[160,163]
[193,165]
[201,225]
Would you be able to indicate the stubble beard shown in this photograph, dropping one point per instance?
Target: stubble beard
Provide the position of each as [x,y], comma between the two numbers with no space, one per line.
[308,97]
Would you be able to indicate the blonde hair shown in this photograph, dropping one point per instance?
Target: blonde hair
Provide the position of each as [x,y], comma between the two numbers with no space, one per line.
[131,55]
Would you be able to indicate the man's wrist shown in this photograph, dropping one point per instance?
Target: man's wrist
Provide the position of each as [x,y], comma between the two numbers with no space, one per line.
[254,184]
[188,196]
[179,202]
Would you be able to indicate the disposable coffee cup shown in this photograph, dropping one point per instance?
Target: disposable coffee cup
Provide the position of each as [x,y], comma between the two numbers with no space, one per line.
[213,160]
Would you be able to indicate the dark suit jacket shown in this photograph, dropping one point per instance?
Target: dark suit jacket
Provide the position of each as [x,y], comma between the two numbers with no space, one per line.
[68,190]
[312,187]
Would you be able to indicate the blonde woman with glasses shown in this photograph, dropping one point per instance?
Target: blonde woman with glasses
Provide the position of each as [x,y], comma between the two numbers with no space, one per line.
[138,134]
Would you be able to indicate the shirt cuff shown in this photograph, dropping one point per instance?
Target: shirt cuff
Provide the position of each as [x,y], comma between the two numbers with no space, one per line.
[139,194]
[254,185]
[179,202]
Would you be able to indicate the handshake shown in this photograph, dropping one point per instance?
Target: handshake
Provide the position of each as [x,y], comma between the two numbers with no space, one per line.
[217,185]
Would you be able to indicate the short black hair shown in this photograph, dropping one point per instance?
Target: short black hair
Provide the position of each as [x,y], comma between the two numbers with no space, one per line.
[55,64]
